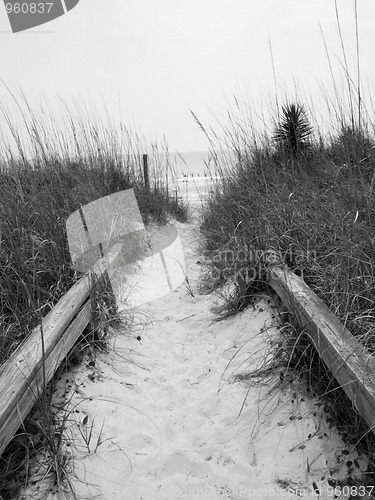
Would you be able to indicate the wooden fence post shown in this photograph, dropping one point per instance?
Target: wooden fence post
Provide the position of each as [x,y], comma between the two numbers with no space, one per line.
[145,172]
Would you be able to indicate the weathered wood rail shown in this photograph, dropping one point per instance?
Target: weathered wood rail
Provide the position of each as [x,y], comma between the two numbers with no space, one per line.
[23,375]
[349,361]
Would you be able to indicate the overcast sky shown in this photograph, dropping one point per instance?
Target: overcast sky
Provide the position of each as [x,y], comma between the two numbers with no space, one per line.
[150,61]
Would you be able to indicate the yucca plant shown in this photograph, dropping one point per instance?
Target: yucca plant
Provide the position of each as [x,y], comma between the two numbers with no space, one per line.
[293,131]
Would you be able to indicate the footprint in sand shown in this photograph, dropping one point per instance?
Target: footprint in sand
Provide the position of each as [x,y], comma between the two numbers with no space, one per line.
[224,461]
[141,442]
[169,395]
[178,463]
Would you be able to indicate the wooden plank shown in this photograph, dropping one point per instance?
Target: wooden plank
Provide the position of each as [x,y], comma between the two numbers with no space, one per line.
[16,411]
[22,373]
[348,360]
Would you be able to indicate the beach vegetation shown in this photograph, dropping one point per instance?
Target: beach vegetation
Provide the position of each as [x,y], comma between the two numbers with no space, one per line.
[52,163]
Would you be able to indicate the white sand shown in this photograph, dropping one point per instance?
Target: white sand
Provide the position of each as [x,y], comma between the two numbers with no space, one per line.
[165,408]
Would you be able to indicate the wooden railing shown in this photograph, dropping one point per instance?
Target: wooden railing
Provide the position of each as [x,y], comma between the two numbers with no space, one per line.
[348,360]
[33,364]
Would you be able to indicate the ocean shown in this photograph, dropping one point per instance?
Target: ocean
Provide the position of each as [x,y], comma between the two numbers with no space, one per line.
[188,164]
[191,175]
[193,163]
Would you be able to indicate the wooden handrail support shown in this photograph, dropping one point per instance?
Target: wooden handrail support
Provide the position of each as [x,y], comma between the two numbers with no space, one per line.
[21,376]
[349,361]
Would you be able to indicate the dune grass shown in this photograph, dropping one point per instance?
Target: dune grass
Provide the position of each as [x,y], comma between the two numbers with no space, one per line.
[306,192]
[311,198]
[51,164]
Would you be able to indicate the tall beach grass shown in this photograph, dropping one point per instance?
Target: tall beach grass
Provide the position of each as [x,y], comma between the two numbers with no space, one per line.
[306,192]
[53,161]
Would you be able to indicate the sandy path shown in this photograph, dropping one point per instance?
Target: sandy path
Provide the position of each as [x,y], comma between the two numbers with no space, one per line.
[162,429]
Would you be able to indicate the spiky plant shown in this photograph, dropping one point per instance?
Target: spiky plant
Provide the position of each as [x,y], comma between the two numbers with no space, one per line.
[293,130]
